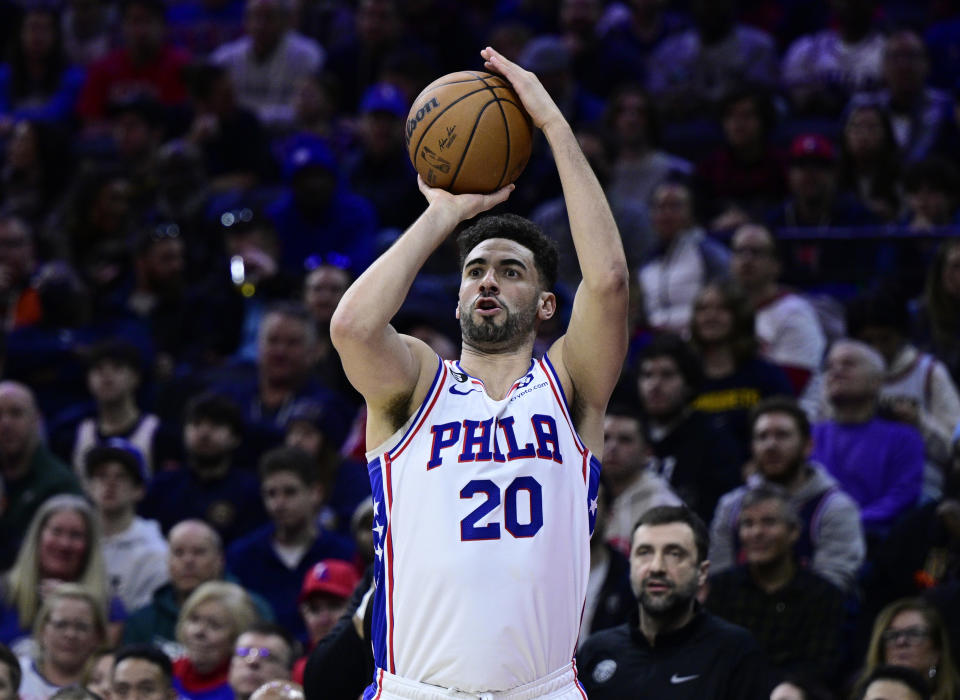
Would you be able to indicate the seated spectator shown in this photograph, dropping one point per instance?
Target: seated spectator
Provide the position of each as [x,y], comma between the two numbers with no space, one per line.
[796,615]
[317,111]
[632,487]
[822,70]
[267,391]
[88,30]
[931,194]
[870,162]
[70,626]
[10,674]
[141,665]
[936,313]
[137,124]
[146,64]
[30,472]
[894,683]
[814,201]
[35,170]
[379,167]
[877,461]
[263,653]
[344,482]
[917,388]
[318,214]
[700,462]
[235,146]
[62,545]
[685,259]
[19,300]
[795,687]
[210,486]
[211,620]
[735,378]
[691,71]
[909,633]
[787,326]
[639,163]
[38,83]
[99,677]
[273,560]
[196,556]
[323,599]
[134,550]
[830,539]
[323,288]
[630,215]
[670,636]
[113,377]
[269,61]
[746,175]
[551,58]
[923,117]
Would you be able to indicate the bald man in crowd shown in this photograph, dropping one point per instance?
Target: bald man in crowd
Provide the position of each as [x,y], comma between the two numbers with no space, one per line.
[29,471]
[878,462]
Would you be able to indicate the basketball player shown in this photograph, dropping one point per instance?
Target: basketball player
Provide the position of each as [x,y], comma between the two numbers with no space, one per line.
[484,470]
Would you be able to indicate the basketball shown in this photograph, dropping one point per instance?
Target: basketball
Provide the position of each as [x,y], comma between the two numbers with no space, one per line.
[468,132]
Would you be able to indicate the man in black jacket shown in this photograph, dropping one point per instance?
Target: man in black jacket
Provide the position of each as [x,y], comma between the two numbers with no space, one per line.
[671,648]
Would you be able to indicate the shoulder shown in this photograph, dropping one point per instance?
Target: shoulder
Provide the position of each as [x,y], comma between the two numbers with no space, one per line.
[604,642]
[252,544]
[716,630]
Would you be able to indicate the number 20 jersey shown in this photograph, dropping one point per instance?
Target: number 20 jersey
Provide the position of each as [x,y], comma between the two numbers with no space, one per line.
[483,512]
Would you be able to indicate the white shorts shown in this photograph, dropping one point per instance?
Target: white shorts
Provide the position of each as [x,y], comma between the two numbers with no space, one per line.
[562,684]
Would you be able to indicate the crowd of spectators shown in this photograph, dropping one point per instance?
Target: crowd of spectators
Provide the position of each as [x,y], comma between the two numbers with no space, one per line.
[188,187]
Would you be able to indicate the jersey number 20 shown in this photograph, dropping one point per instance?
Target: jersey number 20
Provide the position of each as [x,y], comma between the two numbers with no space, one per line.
[469,530]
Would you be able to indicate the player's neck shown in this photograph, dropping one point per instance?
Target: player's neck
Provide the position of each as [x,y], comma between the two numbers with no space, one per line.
[497,370]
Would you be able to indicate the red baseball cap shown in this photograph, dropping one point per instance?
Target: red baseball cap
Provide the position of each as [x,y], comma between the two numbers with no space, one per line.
[812,147]
[331,576]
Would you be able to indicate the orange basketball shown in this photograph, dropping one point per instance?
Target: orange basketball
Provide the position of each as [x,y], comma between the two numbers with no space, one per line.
[468,132]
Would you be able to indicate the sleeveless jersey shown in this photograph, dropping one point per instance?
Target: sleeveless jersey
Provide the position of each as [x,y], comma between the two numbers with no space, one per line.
[483,512]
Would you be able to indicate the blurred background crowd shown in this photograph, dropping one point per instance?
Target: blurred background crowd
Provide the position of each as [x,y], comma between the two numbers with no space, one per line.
[188,187]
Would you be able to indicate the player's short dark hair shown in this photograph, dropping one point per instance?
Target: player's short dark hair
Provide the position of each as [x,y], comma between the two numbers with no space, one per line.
[900,674]
[215,408]
[148,653]
[665,515]
[289,459]
[879,310]
[683,356]
[9,659]
[117,351]
[520,230]
[782,404]
[272,629]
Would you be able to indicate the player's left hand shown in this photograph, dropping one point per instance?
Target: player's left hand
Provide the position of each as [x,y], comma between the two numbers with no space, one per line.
[534,96]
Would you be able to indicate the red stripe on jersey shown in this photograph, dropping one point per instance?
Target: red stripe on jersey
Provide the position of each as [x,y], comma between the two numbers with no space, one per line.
[379,684]
[563,409]
[388,553]
[426,413]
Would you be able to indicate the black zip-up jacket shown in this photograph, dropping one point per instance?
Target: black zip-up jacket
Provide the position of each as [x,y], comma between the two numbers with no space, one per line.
[707,659]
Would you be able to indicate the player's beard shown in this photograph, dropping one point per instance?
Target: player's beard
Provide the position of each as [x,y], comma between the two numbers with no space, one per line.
[672,605]
[505,336]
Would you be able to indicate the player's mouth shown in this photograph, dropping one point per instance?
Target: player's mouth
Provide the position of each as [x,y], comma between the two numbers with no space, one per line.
[487,306]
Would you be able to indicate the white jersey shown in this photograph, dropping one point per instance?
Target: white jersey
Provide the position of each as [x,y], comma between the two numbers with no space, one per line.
[483,512]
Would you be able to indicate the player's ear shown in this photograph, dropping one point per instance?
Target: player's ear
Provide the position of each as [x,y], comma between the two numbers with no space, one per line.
[456,312]
[546,306]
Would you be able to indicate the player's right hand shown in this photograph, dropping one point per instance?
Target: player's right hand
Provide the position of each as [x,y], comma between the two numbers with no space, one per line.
[463,206]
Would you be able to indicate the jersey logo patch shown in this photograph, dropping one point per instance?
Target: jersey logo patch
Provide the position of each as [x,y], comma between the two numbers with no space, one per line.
[459,376]
[676,680]
[604,670]
[457,392]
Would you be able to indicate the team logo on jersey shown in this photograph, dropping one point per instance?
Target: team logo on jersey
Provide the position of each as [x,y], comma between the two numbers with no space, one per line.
[604,670]
[458,392]
[459,376]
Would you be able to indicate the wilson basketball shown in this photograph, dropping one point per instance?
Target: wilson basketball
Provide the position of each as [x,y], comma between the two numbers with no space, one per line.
[468,132]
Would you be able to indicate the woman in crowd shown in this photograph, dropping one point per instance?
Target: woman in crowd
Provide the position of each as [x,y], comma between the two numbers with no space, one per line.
[870,160]
[62,545]
[70,626]
[37,81]
[722,332]
[210,621]
[910,632]
[936,314]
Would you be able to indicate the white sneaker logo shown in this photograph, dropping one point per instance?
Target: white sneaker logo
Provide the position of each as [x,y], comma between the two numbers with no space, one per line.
[675,679]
